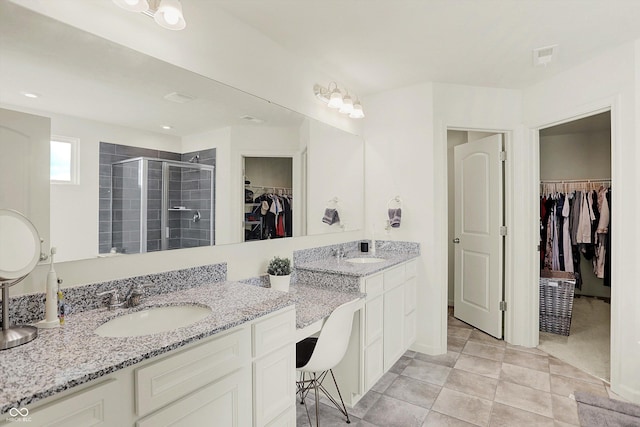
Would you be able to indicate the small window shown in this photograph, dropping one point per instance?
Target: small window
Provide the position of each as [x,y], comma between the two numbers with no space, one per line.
[64,160]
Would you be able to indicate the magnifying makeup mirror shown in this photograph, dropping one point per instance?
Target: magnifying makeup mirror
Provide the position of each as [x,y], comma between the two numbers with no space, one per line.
[19,254]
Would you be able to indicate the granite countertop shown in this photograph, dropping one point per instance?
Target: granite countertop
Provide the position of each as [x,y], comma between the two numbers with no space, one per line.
[313,304]
[61,358]
[342,266]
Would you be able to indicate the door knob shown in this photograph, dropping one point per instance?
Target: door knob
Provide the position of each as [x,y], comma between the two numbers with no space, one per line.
[456,240]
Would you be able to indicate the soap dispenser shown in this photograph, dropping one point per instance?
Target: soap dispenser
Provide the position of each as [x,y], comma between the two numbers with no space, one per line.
[51,298]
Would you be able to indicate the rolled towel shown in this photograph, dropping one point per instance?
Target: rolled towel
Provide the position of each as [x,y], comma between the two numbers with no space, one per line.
[395,217]
[331,216]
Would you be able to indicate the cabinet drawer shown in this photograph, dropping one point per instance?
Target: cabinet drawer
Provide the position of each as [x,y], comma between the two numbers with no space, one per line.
[394,277]
[166,380]
[410,296]
[374,285]
[411,268]
[95,405]
[274,385]
[373,313]
[274,332]
[227,402]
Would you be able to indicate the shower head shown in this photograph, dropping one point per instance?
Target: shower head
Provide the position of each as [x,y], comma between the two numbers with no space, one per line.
[194,159]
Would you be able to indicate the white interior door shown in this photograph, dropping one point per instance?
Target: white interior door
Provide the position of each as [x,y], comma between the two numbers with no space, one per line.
[478,242]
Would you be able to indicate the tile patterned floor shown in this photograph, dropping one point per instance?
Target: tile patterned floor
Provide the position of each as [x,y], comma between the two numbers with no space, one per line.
[481,381]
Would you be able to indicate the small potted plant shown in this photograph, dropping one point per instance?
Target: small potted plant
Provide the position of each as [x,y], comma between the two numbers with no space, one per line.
[279,270]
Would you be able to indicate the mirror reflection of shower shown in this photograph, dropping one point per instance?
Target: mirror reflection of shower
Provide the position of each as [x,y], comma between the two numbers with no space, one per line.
[156,204]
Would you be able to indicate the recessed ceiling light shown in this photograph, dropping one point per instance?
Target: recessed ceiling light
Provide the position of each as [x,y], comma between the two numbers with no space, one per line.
[180,98]
[251,119]
[30,94]
[167,127]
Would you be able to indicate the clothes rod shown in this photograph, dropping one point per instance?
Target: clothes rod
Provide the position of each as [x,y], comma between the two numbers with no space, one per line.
[562,181]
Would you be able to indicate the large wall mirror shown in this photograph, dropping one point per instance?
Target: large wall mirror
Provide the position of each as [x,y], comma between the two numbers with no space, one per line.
[153,157]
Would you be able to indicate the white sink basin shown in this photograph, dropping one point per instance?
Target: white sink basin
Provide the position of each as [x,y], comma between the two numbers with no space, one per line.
[364,260]
[153,321]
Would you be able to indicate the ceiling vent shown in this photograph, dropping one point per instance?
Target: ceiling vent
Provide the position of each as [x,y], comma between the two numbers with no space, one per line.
[180,98]
[544,55]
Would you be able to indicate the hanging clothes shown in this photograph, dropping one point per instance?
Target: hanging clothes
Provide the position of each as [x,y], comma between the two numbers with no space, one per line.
[574,225]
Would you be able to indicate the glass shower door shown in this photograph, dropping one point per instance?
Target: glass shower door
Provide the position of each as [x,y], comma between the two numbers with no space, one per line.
[126,206]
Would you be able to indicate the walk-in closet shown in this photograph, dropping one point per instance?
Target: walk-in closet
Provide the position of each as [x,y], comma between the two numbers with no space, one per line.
[268,198]
[575,249]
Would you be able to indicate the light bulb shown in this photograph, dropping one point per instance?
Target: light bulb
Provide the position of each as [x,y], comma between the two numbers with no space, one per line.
[335,101]
[347,105]
[133,5]
[171,16]
[357,112]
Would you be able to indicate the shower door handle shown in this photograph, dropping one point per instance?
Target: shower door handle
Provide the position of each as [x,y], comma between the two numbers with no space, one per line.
[166,232]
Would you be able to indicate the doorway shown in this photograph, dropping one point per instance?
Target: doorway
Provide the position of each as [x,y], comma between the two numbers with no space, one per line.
[575,162]
[476,228]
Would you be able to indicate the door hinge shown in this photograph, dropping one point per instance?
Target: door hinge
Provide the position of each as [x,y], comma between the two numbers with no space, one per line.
[503,230]
[503,306]
[538,248]
[503,156]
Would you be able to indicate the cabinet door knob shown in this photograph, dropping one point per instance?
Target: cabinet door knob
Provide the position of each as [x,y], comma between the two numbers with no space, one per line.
[456,240]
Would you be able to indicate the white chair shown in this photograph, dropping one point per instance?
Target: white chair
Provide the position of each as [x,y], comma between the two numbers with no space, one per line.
[315,357]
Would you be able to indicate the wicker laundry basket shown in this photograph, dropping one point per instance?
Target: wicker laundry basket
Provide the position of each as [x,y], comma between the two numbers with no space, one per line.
[557,289]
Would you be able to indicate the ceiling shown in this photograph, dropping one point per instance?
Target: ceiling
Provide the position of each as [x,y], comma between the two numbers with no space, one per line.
[376,45]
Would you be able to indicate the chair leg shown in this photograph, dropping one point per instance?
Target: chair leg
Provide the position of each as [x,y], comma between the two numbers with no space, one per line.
[315,383]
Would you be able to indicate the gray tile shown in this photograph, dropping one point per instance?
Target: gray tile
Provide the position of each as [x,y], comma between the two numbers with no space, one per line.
[436,419]
[526,377]
[384,382]
[480,336]
[478,349]
[367,402]
[533,350]
[508,416]
[399,366]
[565,386]
[413,391]
[565,409]
[526,359]
[456,332]
[472,384]
[426,371]
[363,423]
[409,353]
[390,412]
[447,359]
[452,321]
[479,365]
[558,367]
[463,406]
[455,344]
[524,398]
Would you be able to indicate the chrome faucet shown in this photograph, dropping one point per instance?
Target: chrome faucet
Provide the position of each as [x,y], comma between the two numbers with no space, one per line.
[136,293]
[115,300]
[339,252]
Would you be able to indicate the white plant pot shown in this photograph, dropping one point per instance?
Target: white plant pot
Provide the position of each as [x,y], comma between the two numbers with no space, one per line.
[280,283]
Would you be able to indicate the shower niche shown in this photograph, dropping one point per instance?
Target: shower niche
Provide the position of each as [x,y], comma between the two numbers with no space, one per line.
[155,200]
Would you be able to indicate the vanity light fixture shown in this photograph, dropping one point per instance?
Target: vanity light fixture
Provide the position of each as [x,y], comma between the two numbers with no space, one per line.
[166,13]
[333,97]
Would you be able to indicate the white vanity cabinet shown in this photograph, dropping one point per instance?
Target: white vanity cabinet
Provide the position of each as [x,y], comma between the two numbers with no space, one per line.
[383,331]
[241,377]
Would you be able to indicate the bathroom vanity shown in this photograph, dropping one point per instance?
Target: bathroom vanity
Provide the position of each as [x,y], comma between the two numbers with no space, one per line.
[386,326]
[236,365]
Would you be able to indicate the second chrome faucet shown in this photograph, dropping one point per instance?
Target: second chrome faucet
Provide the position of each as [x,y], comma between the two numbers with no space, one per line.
[131,300]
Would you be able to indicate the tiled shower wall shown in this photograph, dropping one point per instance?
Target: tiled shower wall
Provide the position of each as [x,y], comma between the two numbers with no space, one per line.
[123,230]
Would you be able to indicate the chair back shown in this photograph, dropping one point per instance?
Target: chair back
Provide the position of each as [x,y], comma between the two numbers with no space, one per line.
[333,340]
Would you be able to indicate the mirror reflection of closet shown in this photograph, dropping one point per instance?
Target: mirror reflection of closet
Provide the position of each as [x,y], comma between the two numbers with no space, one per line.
[268,198]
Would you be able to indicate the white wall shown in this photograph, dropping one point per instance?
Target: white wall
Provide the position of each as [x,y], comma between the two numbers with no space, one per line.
[335,168]
[610,80]
[576,156]
[399,161]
